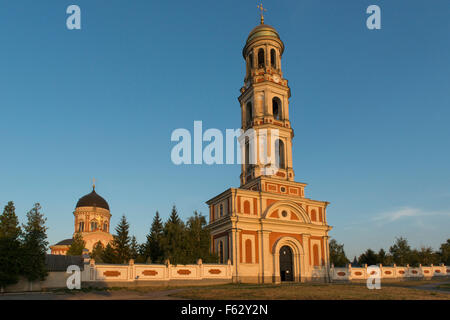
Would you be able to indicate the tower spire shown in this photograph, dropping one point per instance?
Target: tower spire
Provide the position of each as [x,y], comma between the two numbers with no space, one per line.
[260,7]
[93,183]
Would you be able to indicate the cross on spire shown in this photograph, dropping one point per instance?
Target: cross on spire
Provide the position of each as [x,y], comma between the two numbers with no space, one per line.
[260,7]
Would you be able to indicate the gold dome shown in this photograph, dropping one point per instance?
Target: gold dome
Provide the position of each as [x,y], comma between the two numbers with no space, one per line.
[263,31]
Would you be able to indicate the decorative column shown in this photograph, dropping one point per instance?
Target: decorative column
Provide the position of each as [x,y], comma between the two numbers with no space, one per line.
[305,268]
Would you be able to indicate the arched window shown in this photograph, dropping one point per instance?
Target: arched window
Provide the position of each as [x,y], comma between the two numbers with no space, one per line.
[250,60]
[93,225]
[221,210]
[248,251]
[280,158]
[273,58]
[261,63]
[81,226]
[221,252]
[249,112]
[247,152]
[105,227]
[276,108]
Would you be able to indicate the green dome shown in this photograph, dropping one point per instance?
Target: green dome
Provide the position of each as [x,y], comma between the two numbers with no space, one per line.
[263,31]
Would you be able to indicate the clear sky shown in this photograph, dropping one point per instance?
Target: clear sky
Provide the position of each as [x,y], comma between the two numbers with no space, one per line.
[370,109]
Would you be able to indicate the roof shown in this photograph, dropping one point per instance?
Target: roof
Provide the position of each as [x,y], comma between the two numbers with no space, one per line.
[55,262]
[66,242]
[92,200]
[260,32]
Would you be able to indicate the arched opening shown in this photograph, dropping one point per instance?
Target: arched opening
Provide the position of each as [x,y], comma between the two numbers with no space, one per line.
[273,58]
[261,63]
[248,251]
[249,112]
[105,227]
[286,265]
[250,60]
[221,259]
[247,154]
[280,158]
[81,226]
[276,108]
[94,225]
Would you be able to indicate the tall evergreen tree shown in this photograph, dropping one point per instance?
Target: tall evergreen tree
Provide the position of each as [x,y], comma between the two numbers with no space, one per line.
[35,245]
[199,240]
[134,248]
[10,246]
[153,248]
[97,252]
[109,255]
[337,254]
[77,246]
[174,241]
[121,242]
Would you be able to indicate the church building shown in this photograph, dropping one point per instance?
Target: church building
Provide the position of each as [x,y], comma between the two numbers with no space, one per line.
[268,228]
[92,220]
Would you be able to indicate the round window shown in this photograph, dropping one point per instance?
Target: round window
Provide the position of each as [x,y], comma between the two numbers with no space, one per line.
[284,213]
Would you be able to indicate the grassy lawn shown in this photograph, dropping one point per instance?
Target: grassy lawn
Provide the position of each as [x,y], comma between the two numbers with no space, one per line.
[445,287]
[303,291]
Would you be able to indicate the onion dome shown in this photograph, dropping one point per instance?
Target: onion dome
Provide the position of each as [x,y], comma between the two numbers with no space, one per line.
[92,200]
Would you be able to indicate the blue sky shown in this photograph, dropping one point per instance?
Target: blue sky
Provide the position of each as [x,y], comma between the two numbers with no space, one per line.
[370,109]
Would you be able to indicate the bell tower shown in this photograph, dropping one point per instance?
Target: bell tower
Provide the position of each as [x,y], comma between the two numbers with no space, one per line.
[264,102]
[267,229]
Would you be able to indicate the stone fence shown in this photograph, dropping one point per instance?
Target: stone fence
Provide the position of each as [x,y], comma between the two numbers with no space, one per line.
[390,272]
[104,273]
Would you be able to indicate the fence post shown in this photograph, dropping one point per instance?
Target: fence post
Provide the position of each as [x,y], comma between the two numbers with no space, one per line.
[92,270]
[131,273]
[200,268]
[168,268]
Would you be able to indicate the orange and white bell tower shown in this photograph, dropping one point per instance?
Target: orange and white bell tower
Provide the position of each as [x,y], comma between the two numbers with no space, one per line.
[264,104]
[267,229]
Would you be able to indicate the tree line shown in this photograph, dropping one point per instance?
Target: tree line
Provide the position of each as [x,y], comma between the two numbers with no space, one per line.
[22,248]
[174,240]
[400,253]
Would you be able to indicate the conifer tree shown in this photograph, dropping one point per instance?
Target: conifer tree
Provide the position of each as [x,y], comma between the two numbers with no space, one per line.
[97,252]
[109,255]
[153,250]
[35,245]
[134,249]
[121,242]
[198,240]
[77,246]
[10,246]
[174,241]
